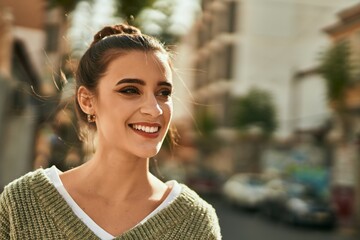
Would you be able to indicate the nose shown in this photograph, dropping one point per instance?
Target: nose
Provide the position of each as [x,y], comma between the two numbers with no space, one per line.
[151,107]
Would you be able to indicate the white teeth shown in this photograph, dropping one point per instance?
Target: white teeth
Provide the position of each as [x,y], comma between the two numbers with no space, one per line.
[145,128]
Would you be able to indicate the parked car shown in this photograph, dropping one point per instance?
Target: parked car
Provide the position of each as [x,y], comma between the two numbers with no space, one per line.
[299,204]
[205,182]
[245,190]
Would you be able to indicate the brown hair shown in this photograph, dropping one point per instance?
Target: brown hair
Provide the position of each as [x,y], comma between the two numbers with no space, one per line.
[109,43]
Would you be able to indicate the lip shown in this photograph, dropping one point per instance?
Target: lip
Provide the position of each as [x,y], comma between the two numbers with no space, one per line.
[146,134]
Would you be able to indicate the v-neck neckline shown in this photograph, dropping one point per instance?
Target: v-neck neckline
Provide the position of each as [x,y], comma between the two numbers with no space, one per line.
[53,174]
[74,228]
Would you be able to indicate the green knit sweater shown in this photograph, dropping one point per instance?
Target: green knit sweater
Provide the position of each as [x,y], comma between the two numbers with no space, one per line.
[32,208]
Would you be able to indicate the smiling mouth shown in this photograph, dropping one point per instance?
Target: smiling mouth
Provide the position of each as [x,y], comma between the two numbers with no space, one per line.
[145,129]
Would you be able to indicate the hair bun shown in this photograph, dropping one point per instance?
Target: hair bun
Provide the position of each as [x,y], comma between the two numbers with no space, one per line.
[115,30]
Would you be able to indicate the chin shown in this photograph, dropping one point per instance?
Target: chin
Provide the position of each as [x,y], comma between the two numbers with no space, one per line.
[148,153]
[147,150]
[145,156]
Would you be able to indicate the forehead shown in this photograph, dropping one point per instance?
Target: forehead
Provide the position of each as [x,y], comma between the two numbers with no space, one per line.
[140,64]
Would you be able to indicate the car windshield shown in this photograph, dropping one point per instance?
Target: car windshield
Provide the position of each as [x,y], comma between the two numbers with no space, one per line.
[255,182]
[301,191]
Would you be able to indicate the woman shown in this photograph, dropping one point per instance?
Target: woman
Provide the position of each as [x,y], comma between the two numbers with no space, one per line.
[124,87]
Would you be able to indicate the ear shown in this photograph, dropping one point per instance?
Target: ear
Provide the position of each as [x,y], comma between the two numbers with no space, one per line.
[86,100]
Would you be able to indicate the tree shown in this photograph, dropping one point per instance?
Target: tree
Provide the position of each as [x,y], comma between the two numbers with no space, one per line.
[130,9]
[159,18]
[205,122]
[340,72]
[126,9]
[336,69]
[255,109]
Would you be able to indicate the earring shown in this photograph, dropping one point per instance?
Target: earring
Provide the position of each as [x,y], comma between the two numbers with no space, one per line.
[91,118]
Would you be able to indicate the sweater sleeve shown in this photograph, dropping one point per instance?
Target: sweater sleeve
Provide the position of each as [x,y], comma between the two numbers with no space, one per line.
[4,218]
[213,227]
[216,232]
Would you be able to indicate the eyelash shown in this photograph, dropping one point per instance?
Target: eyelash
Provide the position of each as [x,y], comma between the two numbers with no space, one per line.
[133,90]
[129,90]
[165,92]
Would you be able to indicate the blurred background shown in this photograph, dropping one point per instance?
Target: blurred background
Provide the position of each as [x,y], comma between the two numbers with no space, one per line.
[267,103]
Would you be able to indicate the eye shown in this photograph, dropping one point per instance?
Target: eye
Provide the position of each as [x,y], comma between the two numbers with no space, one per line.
[129,90]
[165,92]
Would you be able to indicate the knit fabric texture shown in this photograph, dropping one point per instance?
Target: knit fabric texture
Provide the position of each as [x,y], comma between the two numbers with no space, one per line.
[32,208]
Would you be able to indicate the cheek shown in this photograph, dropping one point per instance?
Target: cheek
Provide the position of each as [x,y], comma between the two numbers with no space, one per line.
[168,108]
[111,113]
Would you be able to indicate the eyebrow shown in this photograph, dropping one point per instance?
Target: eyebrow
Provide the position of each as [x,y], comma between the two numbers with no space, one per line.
[131,80]
[141,82]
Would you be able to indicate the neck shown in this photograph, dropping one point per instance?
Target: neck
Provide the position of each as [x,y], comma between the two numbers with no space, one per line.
[109,173]
[113,171]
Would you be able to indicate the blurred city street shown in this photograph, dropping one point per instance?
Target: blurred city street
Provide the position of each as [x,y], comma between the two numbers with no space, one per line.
[237,224]
[266,104]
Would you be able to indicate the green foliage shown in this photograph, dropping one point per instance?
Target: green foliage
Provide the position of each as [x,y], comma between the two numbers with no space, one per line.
[254,109]
[166,8]
[336,69]
[126,9]
[207,142]
[130,9]
[205,121]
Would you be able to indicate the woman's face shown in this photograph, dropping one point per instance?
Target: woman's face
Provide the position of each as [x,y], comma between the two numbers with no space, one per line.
[133,105]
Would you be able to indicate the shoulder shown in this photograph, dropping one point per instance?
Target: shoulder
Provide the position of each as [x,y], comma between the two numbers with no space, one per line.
[26,179]
[17,197]
[201,214]
[192,199]
[23,186]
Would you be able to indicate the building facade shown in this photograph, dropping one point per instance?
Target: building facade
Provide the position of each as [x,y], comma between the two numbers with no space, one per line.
[216,39]
[275,45]
[242,44]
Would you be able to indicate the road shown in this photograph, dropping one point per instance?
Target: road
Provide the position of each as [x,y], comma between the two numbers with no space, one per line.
[237,225]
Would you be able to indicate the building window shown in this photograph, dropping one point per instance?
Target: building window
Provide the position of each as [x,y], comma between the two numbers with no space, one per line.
[229,61]
[232,13]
